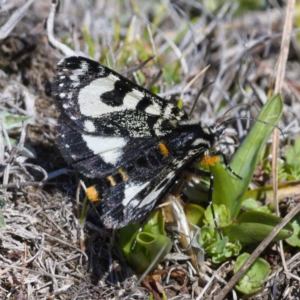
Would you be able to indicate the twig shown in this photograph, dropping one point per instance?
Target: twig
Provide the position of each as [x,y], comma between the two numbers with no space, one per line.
[285,43]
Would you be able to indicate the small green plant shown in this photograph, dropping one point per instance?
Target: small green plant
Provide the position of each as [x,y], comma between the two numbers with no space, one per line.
[145,248]
[254,277]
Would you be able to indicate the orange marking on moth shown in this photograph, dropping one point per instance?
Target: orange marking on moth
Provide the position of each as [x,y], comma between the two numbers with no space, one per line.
[163,149]
[92,194]
[111,180]
[207,160]
[123,174]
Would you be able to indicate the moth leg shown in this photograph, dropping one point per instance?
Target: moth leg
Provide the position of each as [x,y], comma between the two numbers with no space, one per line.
[225,160]
[210,192]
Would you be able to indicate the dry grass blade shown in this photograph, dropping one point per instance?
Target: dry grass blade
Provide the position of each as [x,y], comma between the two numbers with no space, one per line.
[50,24]
[15,18]
[285,43]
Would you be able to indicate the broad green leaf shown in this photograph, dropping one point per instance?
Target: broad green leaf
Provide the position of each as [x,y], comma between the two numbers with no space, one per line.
[294,240]
[252,227]
[155,223]
[224,189]
[244,161]
[254,278]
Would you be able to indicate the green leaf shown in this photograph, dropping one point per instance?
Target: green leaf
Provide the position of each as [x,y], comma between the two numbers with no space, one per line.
[194,214]
[224,189]
[254,226]
[222,215]
[252,205]
[11,121]
[244,161]
[155,223]
[219,249]
[294,240]
[255,276]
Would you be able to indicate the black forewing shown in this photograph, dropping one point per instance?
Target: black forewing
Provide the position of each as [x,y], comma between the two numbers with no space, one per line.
[86,91]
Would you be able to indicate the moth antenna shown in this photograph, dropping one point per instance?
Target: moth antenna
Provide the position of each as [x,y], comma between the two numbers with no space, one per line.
[199,94]
[251,119]
[154,80]
[130,71]
[230,109]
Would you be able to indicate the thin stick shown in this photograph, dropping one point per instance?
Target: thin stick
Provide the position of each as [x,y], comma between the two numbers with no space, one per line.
[285,43]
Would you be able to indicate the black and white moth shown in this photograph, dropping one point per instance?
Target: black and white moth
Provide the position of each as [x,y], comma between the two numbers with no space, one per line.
[132,142]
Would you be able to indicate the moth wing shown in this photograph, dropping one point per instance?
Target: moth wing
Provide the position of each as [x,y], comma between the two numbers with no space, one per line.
[131,201]
[101,101]
[99,156]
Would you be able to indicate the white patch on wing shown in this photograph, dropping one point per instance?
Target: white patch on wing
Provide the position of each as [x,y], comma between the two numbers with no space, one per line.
[74,77]
[112,157]
[132,99]
[134,203]
[130,191]
[168,110]
[109,148]
[62,95]
[89,97]
[153,109]
[89,126]
[152,196]
[84,66]
[157,128]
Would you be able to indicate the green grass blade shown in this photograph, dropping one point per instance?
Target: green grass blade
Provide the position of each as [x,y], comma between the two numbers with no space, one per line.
[244,161]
